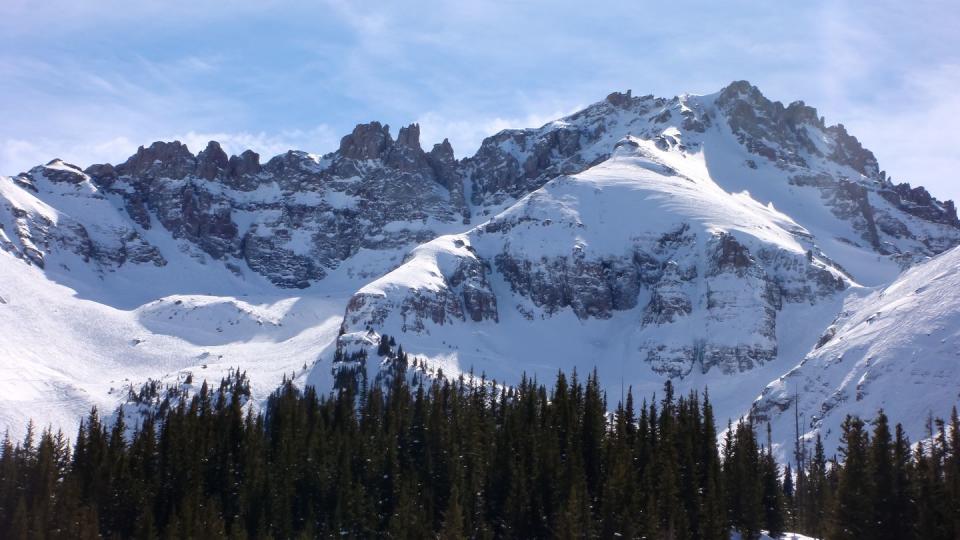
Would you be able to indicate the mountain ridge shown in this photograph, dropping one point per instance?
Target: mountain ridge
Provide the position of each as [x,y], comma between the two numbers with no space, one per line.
[678,237]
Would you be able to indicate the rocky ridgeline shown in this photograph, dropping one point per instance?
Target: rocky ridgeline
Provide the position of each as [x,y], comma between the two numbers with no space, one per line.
[297,216]
[291,219]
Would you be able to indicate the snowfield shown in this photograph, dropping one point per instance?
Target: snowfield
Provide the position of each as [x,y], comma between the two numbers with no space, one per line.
[63,353]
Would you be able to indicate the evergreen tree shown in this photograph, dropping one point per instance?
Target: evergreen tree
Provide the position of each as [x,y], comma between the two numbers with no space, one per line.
[853,512]
[880,471]
[903,516]
[773,518]
[742,474]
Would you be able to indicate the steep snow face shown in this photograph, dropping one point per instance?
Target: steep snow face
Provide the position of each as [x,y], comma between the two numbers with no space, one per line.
[897,348]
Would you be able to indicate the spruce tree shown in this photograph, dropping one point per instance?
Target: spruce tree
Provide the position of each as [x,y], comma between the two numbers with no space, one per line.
[773,518]
[881,473]
[853,511]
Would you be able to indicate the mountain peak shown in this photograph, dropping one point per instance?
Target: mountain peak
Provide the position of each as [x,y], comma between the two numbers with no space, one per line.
[367,141]
[409,136]
[620,99]
[211,160]
[741,88]
[162,158]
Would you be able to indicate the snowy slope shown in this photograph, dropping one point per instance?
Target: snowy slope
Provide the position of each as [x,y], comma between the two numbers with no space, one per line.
[897,348]
[63,354]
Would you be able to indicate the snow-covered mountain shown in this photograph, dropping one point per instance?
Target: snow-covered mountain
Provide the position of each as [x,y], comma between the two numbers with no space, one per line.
[709,239]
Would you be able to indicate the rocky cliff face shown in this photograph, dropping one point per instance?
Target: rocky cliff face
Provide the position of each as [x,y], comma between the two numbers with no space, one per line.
[291,219]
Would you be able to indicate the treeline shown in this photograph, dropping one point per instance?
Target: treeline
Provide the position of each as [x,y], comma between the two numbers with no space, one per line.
[431,457]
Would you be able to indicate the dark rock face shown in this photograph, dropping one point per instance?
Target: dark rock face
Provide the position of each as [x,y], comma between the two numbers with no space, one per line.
[302,214]
[730,256]
[211,161]
[758,122]
[264,253]
[246,164]
[446,170]
[744,309]
[848,151]
[470,278]
[102,174]
[58,171]
[918,202]
[161,160]
[668,298]
[591,288]
[497,173]
[368,141]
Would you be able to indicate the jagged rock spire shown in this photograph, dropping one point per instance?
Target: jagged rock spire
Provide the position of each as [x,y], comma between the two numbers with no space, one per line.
[367,141]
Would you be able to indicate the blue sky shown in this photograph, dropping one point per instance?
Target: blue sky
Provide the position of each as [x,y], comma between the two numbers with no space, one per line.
[90,81]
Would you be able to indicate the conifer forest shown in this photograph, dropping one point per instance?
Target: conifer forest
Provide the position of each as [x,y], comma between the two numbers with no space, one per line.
[430,457]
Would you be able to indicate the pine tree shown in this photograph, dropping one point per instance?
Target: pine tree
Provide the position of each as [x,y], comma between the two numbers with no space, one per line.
[952,475]
[817,499]
[789,497]
[853,511]
[880,465]
[742,472]
[901,522]
[772,491]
